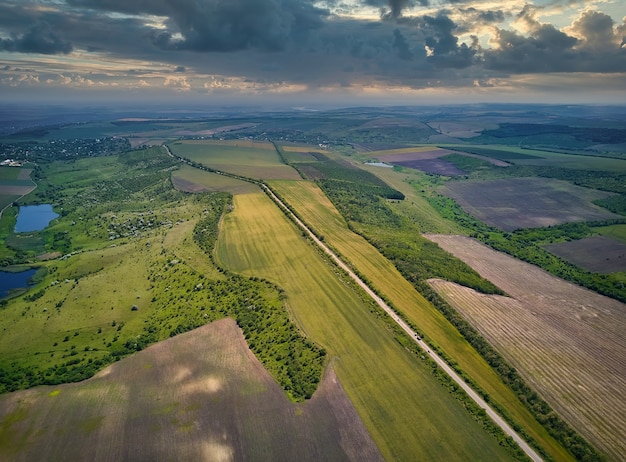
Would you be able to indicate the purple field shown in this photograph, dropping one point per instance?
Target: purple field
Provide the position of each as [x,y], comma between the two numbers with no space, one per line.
[438,166]
[599,254]
[514,203]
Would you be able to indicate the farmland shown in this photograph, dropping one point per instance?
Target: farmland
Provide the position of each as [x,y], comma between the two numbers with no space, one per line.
[252,160]
[14,183]
[193,180]
[202,395]
[151,249]
[258,240]
[599,254]
[320,214]
[515,203]
[548,330]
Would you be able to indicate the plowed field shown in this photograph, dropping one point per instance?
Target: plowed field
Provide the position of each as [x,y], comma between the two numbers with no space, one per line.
[566,341]
[202,395]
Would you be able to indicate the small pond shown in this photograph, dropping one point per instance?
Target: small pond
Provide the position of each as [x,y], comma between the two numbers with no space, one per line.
[34,218]
[10,281]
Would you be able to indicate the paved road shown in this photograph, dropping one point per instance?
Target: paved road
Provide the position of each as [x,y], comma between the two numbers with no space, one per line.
[434,356]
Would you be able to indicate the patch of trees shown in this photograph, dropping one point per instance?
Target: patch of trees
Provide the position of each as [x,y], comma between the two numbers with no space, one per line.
[615,204]
[592,134]
[596,179]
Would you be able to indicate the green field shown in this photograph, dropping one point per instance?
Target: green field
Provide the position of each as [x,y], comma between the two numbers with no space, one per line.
[317,211]
[259,161]
[615,231]
[258,240]
[191,179]
[149,246]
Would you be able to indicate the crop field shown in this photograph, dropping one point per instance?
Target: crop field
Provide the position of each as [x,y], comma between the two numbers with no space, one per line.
[191,179]
[201,395]
[524,156]
[437,166]
[250,159]
[617,232]
[566,341]
[321,215]
[599,254]
[14,183]
[514,203]
[257,240]
[421,158]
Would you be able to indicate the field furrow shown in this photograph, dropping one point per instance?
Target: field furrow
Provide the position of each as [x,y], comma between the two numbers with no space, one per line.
[405,408]
[566,341]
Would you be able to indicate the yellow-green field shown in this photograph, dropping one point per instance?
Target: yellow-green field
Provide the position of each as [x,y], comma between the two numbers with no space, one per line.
[615,231]
[191,179]
[245,158]
[315,208]
[410,415]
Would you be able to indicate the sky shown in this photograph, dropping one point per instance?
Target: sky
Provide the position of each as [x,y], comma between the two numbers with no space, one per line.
[308,52]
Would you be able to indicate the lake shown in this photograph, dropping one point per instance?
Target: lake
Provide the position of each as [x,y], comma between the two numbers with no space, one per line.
[9,281]
[34,218]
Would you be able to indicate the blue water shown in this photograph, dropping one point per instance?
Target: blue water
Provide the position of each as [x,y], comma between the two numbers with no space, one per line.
[34,218]
[10,281]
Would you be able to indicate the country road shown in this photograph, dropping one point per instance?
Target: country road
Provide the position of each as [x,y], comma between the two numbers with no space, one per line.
[530,452]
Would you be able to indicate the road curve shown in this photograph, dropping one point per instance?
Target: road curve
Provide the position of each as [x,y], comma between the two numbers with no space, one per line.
[530,452]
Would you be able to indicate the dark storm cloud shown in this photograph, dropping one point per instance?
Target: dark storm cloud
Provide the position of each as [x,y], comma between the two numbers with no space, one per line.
[393,8]
[401,46]
[438,34]
[155,7]
[519,54]
[37,40]
[214,25]
[296,41]
[595,48]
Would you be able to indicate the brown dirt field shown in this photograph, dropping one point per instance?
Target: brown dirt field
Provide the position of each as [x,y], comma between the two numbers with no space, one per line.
[566,341]
[12,190]
[48,256]
[198,396]
[187,186]
[419,155]
[514,203]
[599,254]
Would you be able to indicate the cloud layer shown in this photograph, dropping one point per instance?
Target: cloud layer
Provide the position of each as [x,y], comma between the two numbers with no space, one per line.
[303,45]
